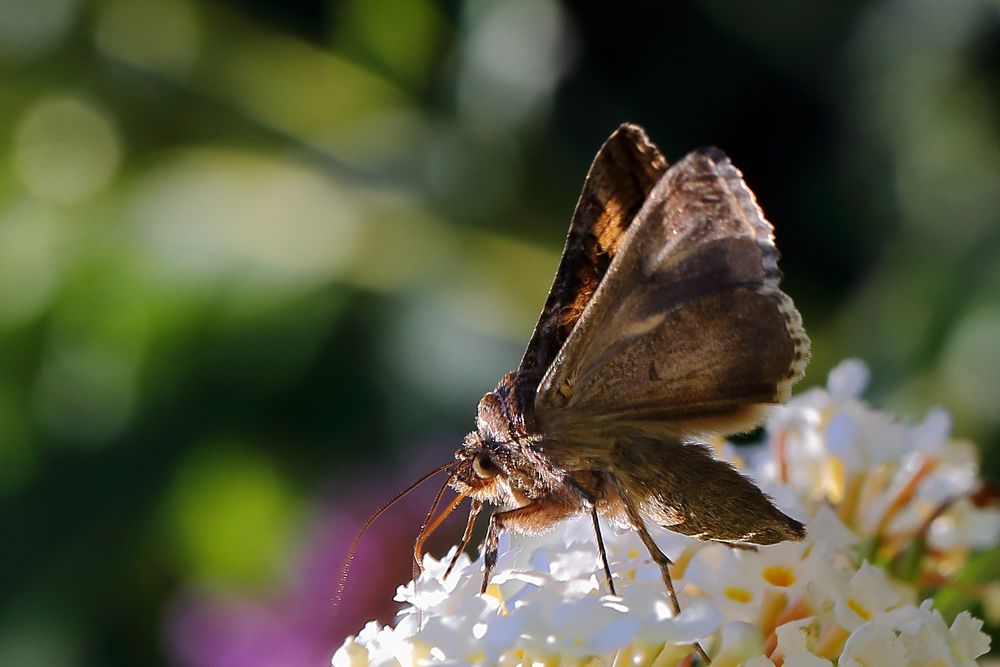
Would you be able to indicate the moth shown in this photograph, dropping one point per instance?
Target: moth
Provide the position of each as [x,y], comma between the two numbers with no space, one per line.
[665,326]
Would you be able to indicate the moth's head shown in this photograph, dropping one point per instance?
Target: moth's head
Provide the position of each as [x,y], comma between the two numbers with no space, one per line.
[480,470]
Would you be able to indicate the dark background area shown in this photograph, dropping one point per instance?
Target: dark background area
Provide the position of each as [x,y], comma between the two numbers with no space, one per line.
[259,260]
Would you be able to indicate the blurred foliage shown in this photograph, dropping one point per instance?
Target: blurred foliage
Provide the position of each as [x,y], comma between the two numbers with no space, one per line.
[252,252]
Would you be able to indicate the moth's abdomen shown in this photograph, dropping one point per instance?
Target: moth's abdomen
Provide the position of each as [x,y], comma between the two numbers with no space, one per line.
[684,488]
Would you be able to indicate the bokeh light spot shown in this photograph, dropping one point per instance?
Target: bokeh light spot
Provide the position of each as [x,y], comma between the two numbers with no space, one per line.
[229,514]
[403,35]
[85,392]
[171,49]
[65,149]
[218,215]
[515,52]
[29,28]
[39,636]
[28,262]
[972,366]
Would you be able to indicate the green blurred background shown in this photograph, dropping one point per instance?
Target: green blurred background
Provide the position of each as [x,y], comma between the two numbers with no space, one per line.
[260,259]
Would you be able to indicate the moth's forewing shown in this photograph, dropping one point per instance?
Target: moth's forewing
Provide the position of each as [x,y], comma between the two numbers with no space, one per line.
[619,181]
[688,332]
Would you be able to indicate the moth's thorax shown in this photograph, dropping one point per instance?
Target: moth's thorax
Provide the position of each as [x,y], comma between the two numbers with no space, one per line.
[501,415]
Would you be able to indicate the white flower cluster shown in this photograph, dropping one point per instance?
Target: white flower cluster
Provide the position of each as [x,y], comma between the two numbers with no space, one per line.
[895,485]
[871,490]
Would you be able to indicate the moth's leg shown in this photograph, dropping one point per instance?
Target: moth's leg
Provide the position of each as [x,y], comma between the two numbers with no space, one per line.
[600,548]
[490,546]
[531,519]
[477,506]
[657,555]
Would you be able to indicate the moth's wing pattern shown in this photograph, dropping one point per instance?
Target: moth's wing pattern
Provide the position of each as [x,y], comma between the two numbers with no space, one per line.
[688,332]
[623,173]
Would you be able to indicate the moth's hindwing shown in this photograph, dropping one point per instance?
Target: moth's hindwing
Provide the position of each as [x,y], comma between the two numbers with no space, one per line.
[688,332]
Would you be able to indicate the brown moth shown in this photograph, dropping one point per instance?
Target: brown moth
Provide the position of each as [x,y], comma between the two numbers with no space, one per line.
[664,326]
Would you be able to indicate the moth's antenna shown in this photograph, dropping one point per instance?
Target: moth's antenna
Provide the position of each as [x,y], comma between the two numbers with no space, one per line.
[370,520]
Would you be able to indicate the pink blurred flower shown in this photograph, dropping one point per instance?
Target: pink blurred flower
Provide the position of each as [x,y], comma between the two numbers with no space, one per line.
[297,624]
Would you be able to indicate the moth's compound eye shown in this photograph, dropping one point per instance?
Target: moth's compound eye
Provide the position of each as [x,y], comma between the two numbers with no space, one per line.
[484,467]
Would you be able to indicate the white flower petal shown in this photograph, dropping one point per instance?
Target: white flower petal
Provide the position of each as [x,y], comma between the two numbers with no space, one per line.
[828,530]
[872,645]
[797,635]
[350,654]
[848,379]
[798,658]
[969,640]
[931,436]
[739,642]
[965,525]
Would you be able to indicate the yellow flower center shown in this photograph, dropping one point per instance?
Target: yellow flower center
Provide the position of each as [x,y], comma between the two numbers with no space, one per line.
[738,594]
[858,609]
[779,575]
[493,591]
[834,480]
